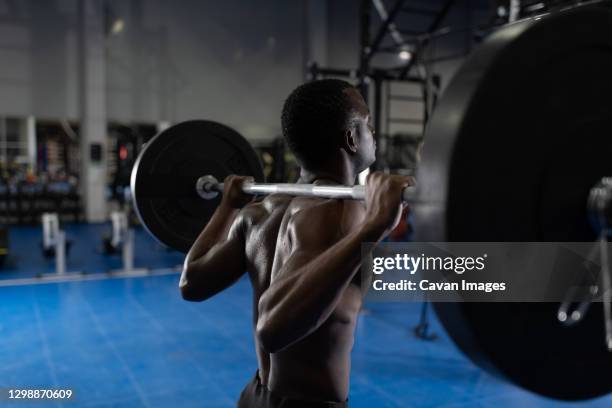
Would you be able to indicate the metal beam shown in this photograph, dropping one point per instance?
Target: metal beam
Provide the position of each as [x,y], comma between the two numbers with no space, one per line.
[316,71]
[441,16]
[382,31]
[433,26]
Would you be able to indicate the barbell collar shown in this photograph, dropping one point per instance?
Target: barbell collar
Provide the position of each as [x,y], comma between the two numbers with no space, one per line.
[208,187]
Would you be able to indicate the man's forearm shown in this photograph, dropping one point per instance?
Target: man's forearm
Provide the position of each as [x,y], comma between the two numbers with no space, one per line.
[296,305]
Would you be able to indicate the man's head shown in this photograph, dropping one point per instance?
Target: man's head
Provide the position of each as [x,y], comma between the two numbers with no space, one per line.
[322,118]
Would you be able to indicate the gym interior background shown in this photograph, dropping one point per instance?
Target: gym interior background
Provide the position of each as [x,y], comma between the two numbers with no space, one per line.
[89,300]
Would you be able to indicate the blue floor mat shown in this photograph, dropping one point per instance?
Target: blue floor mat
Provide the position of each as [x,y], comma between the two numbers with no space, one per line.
[133,342]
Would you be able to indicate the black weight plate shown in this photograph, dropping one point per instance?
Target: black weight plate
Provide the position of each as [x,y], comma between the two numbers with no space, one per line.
[521,134]
[165,174]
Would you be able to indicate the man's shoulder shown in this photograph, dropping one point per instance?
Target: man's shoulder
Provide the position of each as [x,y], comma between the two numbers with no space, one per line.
[325,218]
[266,205]
[262,208]
[314,208]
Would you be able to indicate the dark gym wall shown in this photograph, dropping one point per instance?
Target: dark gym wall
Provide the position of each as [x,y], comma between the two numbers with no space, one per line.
[343,33]
[38,46]
[233,61]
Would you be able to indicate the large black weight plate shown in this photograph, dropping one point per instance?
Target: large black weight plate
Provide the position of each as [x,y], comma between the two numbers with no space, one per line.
[521,134]
[165,174]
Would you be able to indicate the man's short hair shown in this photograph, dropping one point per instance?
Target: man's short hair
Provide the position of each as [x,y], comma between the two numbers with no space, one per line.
[313,115]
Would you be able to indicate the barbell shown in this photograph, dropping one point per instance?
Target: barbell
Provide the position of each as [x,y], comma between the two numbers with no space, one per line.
[518,141]
[175,185]
[208,187]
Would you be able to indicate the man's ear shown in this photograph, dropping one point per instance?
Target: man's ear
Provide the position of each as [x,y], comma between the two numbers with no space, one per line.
[351,143]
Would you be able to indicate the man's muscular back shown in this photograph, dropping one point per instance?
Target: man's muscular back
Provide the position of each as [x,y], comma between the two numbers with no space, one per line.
[319,364]
[260,222]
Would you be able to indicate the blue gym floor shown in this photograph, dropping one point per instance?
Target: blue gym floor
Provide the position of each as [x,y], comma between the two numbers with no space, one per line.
[132,342]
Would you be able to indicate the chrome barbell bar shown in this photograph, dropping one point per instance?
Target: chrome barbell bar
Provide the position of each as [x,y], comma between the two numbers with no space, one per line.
[208,187]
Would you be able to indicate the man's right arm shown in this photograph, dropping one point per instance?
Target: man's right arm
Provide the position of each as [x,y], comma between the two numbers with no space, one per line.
[216,259]
[312,280]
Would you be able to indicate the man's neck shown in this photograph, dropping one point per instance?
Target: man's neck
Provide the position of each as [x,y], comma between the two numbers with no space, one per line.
[337,172]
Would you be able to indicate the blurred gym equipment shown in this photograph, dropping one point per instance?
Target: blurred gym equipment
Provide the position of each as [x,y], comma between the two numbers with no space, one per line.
[518,141]
[54,241]
[121,240]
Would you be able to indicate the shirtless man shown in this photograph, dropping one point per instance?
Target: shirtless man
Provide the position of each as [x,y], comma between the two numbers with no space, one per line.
[302,254]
